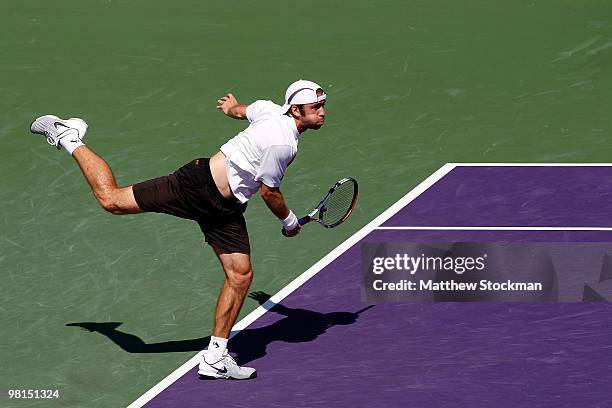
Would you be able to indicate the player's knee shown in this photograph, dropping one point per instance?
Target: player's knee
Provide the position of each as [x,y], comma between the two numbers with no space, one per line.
[109,203]
[240,278]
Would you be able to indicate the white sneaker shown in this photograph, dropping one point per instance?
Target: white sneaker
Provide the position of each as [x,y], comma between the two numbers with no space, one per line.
[54,128]
[225,368]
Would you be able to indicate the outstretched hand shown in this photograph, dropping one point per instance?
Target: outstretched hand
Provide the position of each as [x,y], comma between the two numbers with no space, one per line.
[226,103]
[260,297]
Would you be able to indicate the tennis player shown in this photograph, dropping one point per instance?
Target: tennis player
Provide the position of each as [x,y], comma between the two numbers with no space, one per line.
[213,192]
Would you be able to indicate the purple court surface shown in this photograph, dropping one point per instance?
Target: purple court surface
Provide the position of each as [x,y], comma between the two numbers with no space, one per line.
[314,350]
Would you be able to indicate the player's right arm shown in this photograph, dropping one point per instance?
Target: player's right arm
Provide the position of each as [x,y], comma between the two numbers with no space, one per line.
[275,201]
[231,107]
[270,172]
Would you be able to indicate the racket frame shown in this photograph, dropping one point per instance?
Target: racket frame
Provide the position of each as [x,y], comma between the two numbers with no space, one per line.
[313,215]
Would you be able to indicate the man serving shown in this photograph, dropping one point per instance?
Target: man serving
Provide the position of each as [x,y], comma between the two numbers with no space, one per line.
[213,192]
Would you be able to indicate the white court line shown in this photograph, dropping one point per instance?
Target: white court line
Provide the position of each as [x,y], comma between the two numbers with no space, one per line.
[508,228]
[299,281]
[497,228]
[531,164]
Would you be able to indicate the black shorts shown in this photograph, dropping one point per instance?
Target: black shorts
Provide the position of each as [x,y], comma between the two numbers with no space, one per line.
[190,192]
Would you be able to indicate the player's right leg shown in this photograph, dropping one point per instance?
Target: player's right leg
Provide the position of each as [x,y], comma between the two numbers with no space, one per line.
[114,199]
[69,134]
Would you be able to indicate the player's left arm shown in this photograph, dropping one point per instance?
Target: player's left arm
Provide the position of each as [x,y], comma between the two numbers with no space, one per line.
[231,107]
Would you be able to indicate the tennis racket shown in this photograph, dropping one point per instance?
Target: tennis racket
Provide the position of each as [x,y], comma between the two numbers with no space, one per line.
[336,206]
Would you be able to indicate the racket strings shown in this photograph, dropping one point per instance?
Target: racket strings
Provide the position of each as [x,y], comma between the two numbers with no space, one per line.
[338,204]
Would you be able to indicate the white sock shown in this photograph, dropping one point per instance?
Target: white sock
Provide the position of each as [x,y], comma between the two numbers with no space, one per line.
[216,347]
[71,141]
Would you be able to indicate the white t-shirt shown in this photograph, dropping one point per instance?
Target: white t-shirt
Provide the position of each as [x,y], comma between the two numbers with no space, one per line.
[261,152]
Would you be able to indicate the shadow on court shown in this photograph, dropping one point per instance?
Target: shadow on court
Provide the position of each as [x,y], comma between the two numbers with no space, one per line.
[298,326]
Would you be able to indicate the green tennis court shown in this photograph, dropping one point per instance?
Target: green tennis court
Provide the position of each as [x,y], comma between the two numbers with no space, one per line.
[410,85]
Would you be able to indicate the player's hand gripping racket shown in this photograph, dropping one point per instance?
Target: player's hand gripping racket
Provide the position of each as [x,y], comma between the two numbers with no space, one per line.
[336,206]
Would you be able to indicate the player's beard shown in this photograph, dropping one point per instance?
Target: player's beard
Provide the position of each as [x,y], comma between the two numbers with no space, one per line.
[317,125]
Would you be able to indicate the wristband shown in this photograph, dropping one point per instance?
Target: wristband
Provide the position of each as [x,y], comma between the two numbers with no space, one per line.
[290,222]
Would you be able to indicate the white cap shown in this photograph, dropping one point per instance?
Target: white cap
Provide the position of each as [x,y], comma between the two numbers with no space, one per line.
[301,92]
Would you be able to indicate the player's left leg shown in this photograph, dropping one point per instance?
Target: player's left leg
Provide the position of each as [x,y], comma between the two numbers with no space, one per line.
[227,235]
[216,362]
[238,278]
